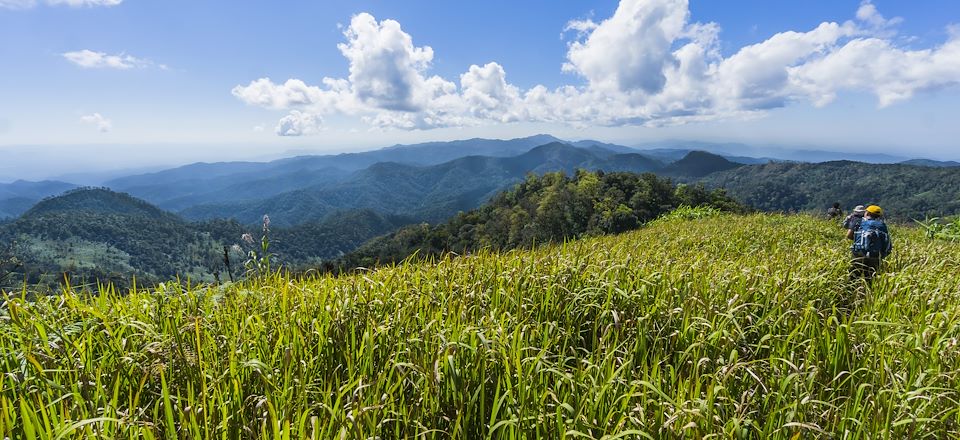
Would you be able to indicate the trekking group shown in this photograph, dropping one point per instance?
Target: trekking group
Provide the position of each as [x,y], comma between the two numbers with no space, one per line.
[871,239]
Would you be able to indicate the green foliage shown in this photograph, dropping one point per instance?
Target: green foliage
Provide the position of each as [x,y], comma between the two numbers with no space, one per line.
[686,212]
[543,209]
[724,327]
[904,191]
[258,260]
[9,262]
[944,229]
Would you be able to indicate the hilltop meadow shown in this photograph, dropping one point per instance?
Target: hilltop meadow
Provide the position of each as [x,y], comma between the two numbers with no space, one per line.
[728,326]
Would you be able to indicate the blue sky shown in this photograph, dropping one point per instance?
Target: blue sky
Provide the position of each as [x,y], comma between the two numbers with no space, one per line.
[139,83]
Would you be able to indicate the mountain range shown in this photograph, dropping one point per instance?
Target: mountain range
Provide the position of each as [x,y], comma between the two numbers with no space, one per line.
[179,221]
[205,190]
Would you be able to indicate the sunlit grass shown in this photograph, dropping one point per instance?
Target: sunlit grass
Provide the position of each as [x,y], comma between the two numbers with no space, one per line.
[723,327]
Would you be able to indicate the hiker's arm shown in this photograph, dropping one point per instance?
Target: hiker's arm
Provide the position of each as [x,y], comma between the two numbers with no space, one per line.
[849,234]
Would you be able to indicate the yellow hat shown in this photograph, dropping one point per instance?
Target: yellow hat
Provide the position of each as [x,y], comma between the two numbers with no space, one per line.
[875,210]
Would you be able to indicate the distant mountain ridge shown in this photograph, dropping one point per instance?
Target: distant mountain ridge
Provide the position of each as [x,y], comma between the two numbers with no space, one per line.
[429,193]
[180,187]
[931,163]
[903,191]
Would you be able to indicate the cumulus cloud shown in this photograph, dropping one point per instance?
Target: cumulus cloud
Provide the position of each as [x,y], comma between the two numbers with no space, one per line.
[89,59]
[103,124]
[299,123]
[487,93]
[386,69]
[642,33]
[26,4]
[645,64]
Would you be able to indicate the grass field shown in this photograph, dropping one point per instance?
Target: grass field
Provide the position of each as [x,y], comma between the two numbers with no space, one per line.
[724,327]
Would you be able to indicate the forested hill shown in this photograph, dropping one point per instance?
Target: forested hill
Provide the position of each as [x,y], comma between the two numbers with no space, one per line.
[99,201]
[96,234]
[904,191]
[101,234]
[543,209]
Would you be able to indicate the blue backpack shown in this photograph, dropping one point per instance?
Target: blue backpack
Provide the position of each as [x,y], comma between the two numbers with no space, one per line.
[872,239]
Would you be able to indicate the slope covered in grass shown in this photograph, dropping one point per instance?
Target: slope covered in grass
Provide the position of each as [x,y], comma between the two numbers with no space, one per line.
[739,326]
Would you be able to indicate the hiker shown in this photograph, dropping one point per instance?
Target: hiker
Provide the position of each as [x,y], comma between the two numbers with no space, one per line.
[834,211]
[852,222]
[871,243]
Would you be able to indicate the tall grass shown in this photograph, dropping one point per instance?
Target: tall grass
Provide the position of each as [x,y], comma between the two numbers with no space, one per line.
[944,229]
[722,327]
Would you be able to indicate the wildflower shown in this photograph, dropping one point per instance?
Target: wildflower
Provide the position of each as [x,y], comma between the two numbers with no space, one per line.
[266,223]
[247,238]
[236,248]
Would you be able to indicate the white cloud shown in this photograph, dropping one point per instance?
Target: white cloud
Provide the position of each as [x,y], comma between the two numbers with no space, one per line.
[487,93]
[874,65]
[87,3]
[265,93]
[89,59]
[869,14]
[646,64]
[581,27]
[630,51]
[299,123]
[386,69]
[17,4]
[26,4]
[103,124]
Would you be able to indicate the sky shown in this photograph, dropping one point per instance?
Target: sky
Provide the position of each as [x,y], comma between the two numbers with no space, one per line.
[90,85]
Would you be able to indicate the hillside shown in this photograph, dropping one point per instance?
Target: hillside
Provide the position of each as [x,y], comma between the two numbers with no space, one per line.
[94,233]
[100,234]
[904,191]
[727,327]
[542,209]
[96,201]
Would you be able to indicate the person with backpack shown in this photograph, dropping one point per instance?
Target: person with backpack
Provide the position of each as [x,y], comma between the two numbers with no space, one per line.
[871,244]
[834,211]
[852,222]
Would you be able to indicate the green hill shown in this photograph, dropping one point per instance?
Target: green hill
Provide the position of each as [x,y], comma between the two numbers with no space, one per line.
[904,191]
[698,164]
[723,327]
[542,209]
[96,201]
[100,234]
[97,234]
